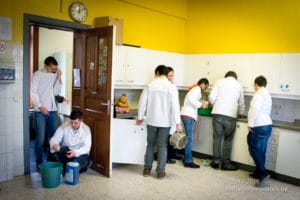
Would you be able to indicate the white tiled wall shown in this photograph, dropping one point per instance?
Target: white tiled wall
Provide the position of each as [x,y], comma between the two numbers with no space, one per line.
[11,118]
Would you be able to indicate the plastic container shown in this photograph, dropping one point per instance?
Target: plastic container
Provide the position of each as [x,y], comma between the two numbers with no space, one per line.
[51,174]
[205,111]
[72,173]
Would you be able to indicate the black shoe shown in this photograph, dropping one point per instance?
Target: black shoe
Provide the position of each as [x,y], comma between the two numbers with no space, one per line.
[215,165]
[228,166]
[171,161]
[83,169]
[191,165]
[177,157]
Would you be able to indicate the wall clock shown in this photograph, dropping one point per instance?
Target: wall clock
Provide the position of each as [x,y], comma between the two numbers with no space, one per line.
[78,11]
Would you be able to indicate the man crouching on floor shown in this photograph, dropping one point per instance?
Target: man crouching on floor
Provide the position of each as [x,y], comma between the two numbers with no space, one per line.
[72,140]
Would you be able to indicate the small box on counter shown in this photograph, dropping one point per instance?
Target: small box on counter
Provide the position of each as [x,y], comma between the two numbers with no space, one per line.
[110,21]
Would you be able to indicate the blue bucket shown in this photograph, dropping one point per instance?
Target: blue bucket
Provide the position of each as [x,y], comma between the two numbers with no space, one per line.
[51,174]
[72,173]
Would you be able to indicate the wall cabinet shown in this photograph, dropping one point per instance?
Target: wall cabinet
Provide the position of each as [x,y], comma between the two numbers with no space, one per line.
[268,65]
[195,68]
[128,142]
[135,67]
[288,162]
[130,64]
[281,71]
[174,60]
[289,74]
[240,63]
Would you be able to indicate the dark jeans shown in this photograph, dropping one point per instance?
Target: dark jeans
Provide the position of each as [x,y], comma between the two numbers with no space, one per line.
[43,122]
[257,142]
[157,136]
[83,160]
[223,127]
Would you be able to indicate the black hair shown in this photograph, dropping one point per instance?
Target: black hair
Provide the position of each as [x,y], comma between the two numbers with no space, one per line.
[161,70]
[203,80]
[231,74]
[76,114]
[261,81]
[170,69]
[50,61]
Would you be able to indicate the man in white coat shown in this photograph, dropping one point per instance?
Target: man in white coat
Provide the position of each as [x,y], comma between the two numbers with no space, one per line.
[160,104]
[227,97]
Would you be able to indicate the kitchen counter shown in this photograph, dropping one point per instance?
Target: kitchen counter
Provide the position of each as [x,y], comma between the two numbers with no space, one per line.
[280,124]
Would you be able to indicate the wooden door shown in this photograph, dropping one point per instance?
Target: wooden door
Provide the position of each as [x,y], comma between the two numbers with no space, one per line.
[93,56]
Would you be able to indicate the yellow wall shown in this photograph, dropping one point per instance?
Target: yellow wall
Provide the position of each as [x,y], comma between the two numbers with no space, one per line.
[241,26]
[184,26]
[154,24]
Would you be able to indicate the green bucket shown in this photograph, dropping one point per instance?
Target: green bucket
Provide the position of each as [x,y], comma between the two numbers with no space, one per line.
[51,174]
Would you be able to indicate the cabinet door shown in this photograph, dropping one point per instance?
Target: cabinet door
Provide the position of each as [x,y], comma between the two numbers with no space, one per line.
[196,67]
[272,148]
[136,64]
[240,63]
[240,152]
[268,65]
[289,74]
[128,142]
[176,61]
[204,136]
[288,162]
[119,59]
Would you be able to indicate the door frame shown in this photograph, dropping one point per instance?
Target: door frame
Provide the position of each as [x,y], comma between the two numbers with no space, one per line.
[46,22]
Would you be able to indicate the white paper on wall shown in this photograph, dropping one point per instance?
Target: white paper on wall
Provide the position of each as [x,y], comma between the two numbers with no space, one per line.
[5,28]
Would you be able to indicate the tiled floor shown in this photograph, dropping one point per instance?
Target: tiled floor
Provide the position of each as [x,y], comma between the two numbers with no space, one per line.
[127,182]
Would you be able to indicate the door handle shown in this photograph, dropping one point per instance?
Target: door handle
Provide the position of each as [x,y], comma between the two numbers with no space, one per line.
[108,106]
[105,104]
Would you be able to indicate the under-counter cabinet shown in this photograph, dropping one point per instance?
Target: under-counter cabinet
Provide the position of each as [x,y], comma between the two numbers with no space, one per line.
[288,159]
[203,142]
[240,152]
[128,141]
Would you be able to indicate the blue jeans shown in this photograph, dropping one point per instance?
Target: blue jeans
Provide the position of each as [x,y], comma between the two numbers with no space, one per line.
[189,126]
[257,142]
[157,136]
[41,123]
[224,127]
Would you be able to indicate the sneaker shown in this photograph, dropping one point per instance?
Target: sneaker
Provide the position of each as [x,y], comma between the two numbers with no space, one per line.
[191,165]
[261,183]
[229,166]
[146,172]
[161,175]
